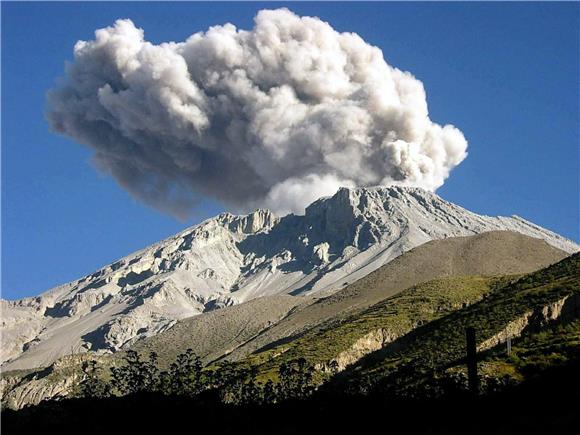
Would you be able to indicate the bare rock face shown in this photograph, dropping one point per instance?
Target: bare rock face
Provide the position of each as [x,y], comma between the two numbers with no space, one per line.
[17,392]
[370,342]
[562,310]
[320,253]
[230,259]
[57,381]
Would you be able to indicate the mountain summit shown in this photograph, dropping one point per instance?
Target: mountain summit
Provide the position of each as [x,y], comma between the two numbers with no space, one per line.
[230,259]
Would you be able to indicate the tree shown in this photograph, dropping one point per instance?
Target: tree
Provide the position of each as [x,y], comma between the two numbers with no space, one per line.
[92,384]
[136,375]
[184,376]
[295,379]
[269,392]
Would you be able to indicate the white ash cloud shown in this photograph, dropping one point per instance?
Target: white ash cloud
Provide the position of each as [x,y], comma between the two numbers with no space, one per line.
[276,116]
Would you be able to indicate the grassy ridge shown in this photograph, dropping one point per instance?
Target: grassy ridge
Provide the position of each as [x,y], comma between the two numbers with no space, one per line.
[440,345]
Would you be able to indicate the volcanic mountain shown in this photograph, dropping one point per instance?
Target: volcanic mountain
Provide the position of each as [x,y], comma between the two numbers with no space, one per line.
[232,259]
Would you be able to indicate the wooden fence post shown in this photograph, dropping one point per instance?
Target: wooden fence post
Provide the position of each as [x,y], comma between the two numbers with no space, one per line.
[472,378]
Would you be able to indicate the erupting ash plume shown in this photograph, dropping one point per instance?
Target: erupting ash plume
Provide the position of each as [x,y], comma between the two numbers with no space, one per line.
[276,116]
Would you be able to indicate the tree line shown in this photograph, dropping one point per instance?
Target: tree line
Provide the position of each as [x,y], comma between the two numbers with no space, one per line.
[187,376]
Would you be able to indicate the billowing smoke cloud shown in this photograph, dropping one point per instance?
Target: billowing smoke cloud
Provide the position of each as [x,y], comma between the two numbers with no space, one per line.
[276,116]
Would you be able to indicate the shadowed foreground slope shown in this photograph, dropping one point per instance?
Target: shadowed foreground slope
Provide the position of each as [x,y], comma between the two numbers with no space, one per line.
[545,405]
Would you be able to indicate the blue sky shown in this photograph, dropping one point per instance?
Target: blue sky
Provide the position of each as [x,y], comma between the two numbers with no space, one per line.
[505,74]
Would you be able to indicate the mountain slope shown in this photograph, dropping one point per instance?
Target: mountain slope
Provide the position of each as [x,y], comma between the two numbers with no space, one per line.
[240,330]
[230,333]
[217,333]
[231,259]
[487,254]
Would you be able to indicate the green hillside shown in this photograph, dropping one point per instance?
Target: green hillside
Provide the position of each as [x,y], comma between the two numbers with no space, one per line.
[436,350]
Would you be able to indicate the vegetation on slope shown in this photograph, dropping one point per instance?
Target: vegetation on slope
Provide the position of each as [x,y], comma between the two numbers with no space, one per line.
[409,365]
[394,317]
[554,346]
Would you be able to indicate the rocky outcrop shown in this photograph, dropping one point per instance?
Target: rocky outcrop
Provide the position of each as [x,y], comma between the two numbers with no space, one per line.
[34,391]
[320,253]
[562,310]
[30,388]
[253,223]
[370,342]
